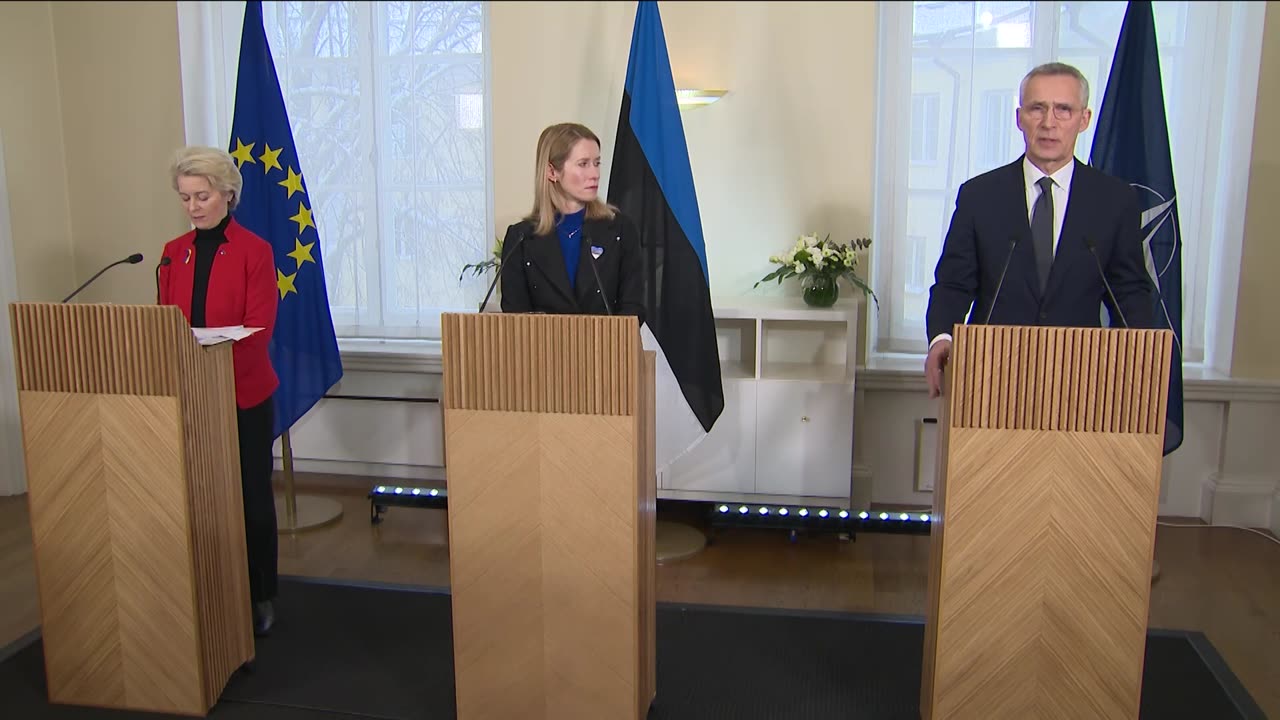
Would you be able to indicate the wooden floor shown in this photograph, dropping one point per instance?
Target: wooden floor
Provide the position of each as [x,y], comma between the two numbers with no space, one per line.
[1222,582]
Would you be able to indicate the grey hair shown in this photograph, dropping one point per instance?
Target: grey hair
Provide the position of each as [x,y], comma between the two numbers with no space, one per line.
[1056,68]
[216,166]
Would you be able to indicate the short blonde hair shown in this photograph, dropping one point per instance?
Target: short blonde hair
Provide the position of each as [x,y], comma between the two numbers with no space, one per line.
[216,166]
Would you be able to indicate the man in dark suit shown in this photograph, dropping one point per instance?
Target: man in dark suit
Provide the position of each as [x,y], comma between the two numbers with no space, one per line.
[1031,242]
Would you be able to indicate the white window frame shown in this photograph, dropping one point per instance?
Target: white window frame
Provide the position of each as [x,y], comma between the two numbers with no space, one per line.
[209,48]
[1224,154]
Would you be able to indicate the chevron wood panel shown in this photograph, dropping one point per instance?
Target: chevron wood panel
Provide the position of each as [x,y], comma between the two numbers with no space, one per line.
[1043,589]
[117,600]
[574,364]
[106,352]
[549,535]
[1070,379]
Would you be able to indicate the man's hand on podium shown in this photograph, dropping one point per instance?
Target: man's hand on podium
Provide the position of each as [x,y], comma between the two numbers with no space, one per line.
[934,364]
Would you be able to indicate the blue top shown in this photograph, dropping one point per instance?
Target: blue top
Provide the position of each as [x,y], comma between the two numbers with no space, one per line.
[570,231]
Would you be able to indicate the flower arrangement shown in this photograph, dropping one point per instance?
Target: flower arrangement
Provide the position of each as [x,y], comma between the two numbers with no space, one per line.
[820,264]
[480,268]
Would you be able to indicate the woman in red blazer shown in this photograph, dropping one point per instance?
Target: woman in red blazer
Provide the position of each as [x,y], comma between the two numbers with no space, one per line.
[221,274]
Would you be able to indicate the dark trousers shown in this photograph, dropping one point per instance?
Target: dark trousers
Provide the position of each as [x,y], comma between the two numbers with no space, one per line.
[256,464]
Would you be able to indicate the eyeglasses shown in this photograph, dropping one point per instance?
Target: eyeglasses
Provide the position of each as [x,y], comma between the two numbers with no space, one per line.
[1036,111]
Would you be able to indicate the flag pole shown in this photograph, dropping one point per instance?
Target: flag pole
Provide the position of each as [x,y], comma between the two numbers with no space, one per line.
[316,512]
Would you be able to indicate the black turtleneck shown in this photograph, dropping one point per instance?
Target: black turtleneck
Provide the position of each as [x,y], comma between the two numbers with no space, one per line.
[207,242]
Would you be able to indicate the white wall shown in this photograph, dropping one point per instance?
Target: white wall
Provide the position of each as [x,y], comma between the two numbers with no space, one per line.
[789,150]
[13,477]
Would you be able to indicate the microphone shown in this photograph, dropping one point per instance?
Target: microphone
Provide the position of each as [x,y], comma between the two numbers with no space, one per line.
[133,259]
[1093,250]
[599,285]
[502,266]
[164,261]
[1013,243]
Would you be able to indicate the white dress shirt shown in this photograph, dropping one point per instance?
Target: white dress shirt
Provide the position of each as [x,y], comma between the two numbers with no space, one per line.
[1061,195]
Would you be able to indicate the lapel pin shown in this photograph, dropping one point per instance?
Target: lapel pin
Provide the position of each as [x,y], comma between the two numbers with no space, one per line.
[596,251]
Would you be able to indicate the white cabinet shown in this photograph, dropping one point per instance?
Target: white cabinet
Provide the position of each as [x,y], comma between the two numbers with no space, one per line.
[804,434]
[787,427]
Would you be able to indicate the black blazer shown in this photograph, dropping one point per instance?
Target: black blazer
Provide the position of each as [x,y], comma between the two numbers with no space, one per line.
[534,278]
[991,213]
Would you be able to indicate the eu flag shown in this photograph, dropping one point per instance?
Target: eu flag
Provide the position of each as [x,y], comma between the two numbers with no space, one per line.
[274,205]
[652,183]
[1131,142]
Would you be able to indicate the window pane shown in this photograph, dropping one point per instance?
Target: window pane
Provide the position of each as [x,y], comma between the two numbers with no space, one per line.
[387,102]
[966,61]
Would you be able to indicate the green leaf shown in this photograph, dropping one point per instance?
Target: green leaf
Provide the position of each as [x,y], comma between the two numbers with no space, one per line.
[858,283]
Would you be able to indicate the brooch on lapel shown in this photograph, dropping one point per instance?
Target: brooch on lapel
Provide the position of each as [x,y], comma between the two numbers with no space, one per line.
[187,259]
[596,251]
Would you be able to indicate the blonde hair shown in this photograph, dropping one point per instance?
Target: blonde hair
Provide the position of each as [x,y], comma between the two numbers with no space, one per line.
[216,166]
[554,145]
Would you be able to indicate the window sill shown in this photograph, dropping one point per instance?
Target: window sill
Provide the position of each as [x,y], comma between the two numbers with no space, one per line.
[390,355]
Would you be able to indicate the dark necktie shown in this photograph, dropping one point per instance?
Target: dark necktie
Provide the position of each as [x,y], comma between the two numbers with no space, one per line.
[1042,230]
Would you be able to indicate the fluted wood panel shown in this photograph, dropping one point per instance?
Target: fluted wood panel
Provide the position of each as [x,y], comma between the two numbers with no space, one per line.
[111,349]
[109,354]
[551,519]
[1072,379]
[646,533]
[1045,509]
[576,364]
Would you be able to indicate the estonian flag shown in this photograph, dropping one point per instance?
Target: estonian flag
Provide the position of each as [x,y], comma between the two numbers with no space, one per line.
[1131,142]
[652,183]
[274,204]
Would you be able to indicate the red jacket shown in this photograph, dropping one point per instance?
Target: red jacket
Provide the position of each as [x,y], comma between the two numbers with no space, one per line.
[242,291]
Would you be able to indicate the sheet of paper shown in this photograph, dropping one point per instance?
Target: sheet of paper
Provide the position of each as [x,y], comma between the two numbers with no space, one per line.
[213,336]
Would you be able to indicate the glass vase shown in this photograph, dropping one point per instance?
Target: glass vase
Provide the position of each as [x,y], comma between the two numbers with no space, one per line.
[820,290]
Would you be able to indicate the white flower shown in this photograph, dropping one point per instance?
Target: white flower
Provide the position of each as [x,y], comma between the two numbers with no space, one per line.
[799,267]
[809,240]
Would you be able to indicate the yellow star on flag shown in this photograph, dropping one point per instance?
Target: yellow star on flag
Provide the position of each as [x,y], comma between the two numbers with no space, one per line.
[302,253]
[268,158]
[284,283]
[293,183]
[243,153]
[303,218]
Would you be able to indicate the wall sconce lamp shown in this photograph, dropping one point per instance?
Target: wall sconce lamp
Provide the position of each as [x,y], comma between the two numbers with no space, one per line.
[697,98]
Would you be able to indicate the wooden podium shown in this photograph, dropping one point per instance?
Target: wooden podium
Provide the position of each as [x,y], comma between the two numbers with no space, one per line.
[133,473]
[552,498]
[1045,509]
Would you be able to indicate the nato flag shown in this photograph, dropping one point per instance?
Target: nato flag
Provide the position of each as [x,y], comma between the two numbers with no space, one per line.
[1132,142]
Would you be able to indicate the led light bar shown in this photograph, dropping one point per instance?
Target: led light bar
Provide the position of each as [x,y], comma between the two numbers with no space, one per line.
[817,517]
[409,496]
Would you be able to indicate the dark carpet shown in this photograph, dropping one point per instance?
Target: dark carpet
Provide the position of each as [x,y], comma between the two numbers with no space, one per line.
[382,652]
